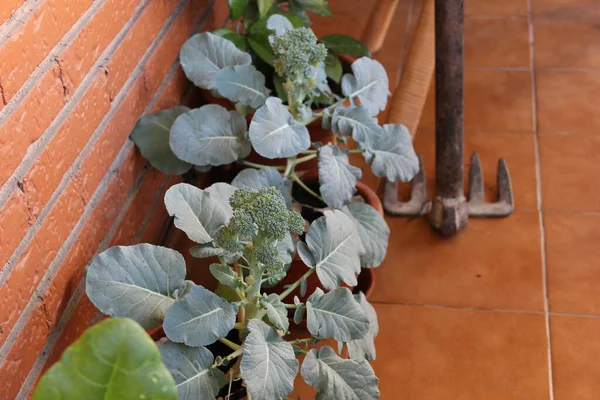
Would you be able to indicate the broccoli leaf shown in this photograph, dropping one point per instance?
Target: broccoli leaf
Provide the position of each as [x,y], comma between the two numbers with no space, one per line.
[373,230]
[275,134]
[221,192]
[319,7]
[113,360]
[264,6]
[336,378]
[264,177]
[199,319]
[336,315]
[343,44]
[333,67]
[276,311]
[151,136]
[233,37]
[333,247]
[369,84]
[392,155]
[205,54]
[210,135]
[365,347]
[337,177]
[139,282]
[237,8]
[355,121]
[226,275]
[191,367]
[278,23]
[242,84]
[196,212]
[269,364]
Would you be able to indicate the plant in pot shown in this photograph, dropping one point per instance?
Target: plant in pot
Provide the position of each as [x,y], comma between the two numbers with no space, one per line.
[250,231]
[177,139]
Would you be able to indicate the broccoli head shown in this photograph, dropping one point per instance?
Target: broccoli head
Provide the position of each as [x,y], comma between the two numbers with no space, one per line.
[297,51]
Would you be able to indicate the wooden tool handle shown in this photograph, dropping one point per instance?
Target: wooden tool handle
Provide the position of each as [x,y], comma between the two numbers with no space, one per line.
[410,95]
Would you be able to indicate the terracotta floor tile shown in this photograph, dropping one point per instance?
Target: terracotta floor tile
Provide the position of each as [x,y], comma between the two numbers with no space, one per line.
[572,259]
[567,101]
[496,7]
[585,9]
[447,354]
[570,171]
[493,263]
[516,148]
[347,18]
[575,354]
[495,101]
[567,43]
[496,42]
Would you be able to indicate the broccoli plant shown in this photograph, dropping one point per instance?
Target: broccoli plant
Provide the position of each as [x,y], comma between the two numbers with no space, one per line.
[177,139]
[252,232]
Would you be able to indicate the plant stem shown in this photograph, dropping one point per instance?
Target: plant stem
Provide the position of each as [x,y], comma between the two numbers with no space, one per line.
[230,357]
[239,325]
[292,306]
[303,186]
[301,341]
[230,344]
[260,166]
[289,290]
[304,159]
[319,115]
[309,152]
[289,168]
[354,151]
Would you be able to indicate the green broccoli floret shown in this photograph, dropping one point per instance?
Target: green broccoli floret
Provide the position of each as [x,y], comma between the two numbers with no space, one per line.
[263,213]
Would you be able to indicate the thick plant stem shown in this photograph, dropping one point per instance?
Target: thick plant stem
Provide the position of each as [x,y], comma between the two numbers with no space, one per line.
[289,290]
[230,344]
[260,166]
[230,357]
[305,159]
[302,341]
[289,168]
[303,186]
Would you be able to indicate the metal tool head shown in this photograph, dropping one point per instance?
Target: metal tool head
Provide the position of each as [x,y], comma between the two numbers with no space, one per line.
[417,205]
[477,205]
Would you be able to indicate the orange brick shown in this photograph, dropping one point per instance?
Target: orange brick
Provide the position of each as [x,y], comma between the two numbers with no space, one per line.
[7,9]
[172,92]
[26,124]
[83,52]
[60,153]
[136,42]
[14,222]
[24,51]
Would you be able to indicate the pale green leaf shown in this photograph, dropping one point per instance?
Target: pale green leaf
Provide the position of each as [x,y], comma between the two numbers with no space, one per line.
[113,360]
[276,311]
[264,177]
[264,6]
[373,230]
[369,83]
[336,315]
[139,282]
[336,176]
[226,275]
[151,136]
[199,319]
[365,347]
[392,155]
[355,121]
[335,378]
[205,54]
[210,135]
[333,67]
[242,84]
[275,134]
[269,364]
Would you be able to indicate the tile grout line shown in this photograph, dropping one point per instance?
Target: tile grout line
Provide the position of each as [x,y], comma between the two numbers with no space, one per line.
[540,199]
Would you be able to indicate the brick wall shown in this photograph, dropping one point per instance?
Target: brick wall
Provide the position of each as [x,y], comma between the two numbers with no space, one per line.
[75,76]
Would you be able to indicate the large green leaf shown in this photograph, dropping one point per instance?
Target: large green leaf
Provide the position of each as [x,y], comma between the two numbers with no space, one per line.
[233,37]
[258,38]
[369,83]
[365,347]
[336,315]
[242,84]
[196,212]
[205,54]
[140,282]
[373,230]
[210,135]
[355,121]
[343,44]
[191,367]
[333,67]
[392,155]
[336,378]
[337,177]
[264,6]
[113,360]
[264,177]
[274,133]
[276,311]
[237,8]
[334,248]
[317,6]
[199,319]
[151,136]
[269,364]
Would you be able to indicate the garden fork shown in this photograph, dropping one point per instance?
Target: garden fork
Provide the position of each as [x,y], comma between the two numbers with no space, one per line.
[449,210]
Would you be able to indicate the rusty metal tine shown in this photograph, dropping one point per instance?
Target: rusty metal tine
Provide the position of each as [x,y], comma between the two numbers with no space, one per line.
[476,193]
[417,205]
[505,192]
